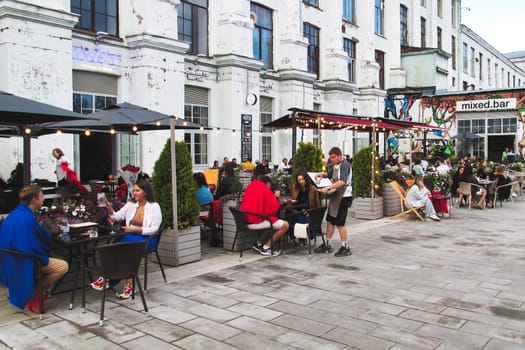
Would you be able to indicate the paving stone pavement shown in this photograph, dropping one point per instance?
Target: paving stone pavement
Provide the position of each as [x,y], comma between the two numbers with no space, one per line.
[454,284]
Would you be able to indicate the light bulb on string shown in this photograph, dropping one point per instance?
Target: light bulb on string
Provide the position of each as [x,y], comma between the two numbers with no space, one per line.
[135,128]
[59,132]
[112,131]
[87,132]
[27,131]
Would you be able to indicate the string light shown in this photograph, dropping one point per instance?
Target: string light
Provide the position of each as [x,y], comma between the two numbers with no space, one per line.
[27,131]
[87,132]
[135,128]
[59,132]
[112,131]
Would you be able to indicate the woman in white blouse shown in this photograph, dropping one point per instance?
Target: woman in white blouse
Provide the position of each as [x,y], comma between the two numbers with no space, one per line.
[143,218]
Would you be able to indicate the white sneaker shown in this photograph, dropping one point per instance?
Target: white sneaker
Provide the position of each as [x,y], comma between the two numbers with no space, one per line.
[514,194]
[434,218]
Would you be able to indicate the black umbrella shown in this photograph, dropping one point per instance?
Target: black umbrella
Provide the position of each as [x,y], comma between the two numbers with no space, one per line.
[23,117]
[122,117]
[466,135]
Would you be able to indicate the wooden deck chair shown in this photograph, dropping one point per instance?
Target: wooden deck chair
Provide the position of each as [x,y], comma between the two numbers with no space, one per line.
[406,209]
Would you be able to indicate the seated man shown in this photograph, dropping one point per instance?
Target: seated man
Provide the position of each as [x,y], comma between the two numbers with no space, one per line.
[21,232]
[259,198]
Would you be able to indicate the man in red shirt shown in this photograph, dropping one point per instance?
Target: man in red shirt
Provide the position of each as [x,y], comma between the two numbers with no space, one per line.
[259,198]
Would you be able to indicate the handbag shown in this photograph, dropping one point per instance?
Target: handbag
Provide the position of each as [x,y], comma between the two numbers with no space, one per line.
[300,230]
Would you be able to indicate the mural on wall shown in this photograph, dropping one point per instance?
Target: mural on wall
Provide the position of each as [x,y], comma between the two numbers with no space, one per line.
[441,110]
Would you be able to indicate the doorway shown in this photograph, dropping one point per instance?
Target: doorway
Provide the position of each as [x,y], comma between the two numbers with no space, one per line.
[497,145]
[96,156]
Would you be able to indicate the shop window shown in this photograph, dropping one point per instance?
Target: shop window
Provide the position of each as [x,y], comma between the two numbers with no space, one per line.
[196,140]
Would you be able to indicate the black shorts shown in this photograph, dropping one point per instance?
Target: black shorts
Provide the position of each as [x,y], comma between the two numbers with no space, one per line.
[342,212]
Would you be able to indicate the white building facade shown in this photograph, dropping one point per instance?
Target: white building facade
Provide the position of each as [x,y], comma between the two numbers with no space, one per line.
[230,65]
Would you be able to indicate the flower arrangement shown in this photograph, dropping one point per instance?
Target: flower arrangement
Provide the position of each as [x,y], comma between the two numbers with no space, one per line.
[74,210]
[130,175]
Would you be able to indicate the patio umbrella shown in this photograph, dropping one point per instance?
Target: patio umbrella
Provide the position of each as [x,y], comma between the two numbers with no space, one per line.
[466,135]
[22,117]
[122,117]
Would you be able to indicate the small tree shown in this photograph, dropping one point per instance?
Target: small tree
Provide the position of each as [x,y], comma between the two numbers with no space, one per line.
[362,173]
[187,205]
[308,157]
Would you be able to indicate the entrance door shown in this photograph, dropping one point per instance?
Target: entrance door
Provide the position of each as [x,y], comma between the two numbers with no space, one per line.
[497,145]
[96,156]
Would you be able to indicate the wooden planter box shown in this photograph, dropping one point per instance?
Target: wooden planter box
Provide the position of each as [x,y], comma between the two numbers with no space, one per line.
[368,208]
[188,245]
[391,203]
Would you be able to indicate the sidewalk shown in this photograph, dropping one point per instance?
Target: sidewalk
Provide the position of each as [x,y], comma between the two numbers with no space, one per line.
[454,284]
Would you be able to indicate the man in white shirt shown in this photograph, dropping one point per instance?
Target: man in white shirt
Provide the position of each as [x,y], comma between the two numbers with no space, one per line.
[442,168]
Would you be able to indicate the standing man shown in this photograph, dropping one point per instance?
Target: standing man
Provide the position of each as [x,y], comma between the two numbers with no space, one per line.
[340,197]
[21,232]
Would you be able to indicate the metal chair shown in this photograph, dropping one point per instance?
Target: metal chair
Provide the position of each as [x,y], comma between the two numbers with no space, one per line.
[155,250]
[243,230]
[16,255]
[116,261]
[504,192]
[315,217]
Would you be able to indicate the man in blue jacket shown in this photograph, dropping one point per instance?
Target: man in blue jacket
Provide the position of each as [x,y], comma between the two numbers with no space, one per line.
[21,231]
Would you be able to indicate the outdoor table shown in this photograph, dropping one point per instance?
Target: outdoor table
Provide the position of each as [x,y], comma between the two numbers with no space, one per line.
[76,245]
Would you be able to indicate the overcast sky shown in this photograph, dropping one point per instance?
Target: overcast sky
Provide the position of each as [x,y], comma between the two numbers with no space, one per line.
[500,22]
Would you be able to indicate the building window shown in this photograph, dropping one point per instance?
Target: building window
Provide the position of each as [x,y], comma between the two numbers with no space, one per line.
[453,12]
[509,125]
[439,38]
[197,141]
[489,71]
[266,116]
[478,126]
[348,10]
[465,58]
[312,2]
[508,79]
[439,4]
[478,148]
[379,16]
[311,33]
[403,15]
[454,56]
[496,74]
[480,66]
[424,3]
[423,32]
[97,16]
[262,35]
[472,58]
[463,126]
[192,25]
[349,47]
[494,126]
[380,59]
[90,103]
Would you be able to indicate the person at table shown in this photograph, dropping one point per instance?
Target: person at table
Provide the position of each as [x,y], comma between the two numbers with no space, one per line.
[479,190]
[442,168]
[259,198]
[143,218]
[20,231]
[261,169]
[203,194]
[247,165]
[229,183]
[304,196]
[418,195]
[67,179]
[483,172]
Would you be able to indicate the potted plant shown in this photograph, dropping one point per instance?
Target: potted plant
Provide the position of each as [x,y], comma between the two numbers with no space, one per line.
[180,244]
[367,185]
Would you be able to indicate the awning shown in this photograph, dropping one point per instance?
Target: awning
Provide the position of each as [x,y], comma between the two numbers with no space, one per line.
[307,119]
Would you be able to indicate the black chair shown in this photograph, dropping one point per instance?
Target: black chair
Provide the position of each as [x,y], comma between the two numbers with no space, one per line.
[503,192]
[213,222]
[116,261]
[315,217]
[38,272]
[242,231]
[155,250]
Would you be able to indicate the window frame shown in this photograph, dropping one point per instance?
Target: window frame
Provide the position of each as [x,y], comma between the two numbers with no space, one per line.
[83,9]
[379,57]
[350,46]
[403,25]
[379,17]
[257,36]
[423,32]
[349,11]
[198,41]
[312,33]
[190,137]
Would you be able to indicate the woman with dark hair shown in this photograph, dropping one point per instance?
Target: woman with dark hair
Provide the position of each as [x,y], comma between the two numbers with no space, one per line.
[304,196]
[203,194]
[143,218]
[480,192]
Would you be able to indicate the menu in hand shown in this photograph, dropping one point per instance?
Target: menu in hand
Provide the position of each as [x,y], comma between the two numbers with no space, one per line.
[318,181]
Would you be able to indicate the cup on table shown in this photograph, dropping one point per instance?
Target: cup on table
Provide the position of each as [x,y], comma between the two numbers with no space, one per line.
[93,232]
[288,202]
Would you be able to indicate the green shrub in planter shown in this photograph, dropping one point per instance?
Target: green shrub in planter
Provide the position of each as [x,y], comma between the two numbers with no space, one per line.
[362,173]
[187,206]
[307,158]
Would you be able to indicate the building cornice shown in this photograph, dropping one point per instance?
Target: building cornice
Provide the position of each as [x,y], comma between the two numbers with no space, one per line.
[238,61]
[34,13]
[157,42]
